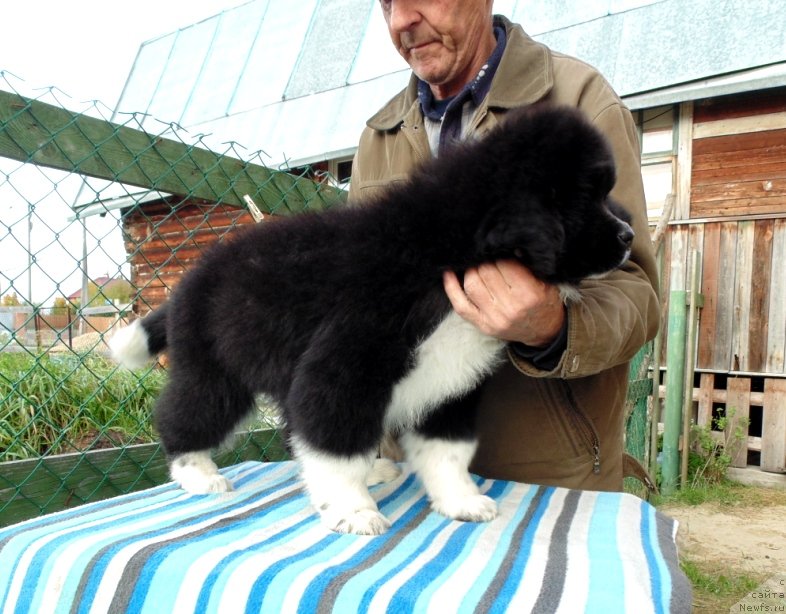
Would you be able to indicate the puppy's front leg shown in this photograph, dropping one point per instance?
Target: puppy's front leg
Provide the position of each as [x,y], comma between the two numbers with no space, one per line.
[337,488]
[442,465]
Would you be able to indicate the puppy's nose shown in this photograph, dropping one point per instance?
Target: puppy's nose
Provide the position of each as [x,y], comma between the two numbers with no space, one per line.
[625,235]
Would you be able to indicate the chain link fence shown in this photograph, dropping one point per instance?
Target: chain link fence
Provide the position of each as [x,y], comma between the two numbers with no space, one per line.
[98,221]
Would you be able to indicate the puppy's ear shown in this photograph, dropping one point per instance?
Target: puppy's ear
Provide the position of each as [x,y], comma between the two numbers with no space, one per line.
[535,239]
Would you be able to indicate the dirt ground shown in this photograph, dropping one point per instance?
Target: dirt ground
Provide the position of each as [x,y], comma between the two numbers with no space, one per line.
[746,538]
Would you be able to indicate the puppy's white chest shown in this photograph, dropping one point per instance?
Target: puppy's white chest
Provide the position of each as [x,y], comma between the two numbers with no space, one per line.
[448,363]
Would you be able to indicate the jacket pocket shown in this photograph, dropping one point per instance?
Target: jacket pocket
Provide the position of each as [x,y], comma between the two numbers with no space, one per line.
[578,426]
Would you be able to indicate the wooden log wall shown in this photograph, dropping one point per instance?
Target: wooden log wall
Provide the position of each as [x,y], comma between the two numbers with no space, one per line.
[164,240]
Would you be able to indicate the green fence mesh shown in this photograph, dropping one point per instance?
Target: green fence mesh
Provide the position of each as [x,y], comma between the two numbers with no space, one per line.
[98,220]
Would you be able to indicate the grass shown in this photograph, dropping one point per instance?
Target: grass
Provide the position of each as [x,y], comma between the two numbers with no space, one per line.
[719,585]
[716,588]
[723,493]
[64,403]
[59,403]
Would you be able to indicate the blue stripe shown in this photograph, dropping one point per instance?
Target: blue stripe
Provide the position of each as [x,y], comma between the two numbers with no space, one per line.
[520,562]
[660,583]
[268,592]
[212,587]
[214,582]
[607,580]
[194,546]
[21,537]
[46,557]
[44,560]
[178,563]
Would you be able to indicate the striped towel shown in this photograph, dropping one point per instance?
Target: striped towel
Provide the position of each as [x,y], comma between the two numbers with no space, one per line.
[263,549]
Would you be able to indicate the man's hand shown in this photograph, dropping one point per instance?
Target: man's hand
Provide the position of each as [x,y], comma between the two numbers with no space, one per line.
[504,300]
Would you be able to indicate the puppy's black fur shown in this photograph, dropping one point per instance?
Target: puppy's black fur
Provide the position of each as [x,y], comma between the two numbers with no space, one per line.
[325,311]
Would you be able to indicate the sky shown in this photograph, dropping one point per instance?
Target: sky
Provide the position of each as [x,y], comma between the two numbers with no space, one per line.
[86,50]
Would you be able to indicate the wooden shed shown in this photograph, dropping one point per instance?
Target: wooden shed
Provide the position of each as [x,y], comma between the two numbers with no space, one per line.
[164,238]
[731,209]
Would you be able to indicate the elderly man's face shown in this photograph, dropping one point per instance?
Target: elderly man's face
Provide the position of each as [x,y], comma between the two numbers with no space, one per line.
[445,42]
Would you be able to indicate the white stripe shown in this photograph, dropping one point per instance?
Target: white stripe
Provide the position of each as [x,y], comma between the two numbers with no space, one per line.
[638,592]
[57,578]
[577,576]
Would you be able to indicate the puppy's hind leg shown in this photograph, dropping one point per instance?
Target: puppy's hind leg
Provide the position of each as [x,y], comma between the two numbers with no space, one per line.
[194,415]
[337,488]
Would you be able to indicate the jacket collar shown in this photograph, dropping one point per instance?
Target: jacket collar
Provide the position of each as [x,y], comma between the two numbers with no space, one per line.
[524,76]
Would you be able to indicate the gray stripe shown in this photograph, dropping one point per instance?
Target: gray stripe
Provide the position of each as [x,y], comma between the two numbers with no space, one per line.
[681,590]
[557,563]
[130,575]
[328,598]
[495,586]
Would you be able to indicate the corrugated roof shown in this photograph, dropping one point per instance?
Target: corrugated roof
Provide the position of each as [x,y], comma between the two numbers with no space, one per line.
[297,80]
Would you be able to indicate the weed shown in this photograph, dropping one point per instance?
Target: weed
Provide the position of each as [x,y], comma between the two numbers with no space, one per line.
[50,403]
[714,449]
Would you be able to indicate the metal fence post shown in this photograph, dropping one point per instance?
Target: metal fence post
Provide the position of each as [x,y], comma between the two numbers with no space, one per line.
[675,374]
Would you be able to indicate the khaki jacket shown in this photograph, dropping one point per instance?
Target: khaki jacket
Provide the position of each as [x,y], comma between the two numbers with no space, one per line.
[562,427]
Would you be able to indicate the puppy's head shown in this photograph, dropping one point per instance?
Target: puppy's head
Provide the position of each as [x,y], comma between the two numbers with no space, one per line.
[552,208]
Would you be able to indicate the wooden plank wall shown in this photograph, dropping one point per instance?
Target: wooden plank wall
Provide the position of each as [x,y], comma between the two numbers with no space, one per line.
[742,326]
[739,397]
[737,220]
[738,164]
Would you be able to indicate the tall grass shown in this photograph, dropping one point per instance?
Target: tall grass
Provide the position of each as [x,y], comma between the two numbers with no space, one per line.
[66,403]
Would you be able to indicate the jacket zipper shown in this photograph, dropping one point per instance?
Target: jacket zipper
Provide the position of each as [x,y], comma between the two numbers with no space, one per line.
[584,427]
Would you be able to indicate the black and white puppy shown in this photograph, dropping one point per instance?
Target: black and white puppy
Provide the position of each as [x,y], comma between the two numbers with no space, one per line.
[342,318]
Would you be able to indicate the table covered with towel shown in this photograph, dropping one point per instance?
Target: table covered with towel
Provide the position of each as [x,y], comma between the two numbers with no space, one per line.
[262,548]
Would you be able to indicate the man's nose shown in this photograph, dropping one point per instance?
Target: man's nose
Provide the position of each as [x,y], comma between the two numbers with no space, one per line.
[402,15]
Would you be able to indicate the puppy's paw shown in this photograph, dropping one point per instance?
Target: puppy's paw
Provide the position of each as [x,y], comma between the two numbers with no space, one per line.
[197,473]
[357,522]
[205,484]
[383,471]
[469,508]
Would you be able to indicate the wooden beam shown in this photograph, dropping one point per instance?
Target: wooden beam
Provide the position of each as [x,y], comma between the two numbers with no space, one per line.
[47,135]
[738,407]
[773,450]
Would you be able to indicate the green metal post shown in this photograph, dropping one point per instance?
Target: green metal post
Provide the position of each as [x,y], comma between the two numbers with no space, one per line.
[675,379]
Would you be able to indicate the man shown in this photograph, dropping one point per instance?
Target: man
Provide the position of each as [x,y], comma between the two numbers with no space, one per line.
[554,412]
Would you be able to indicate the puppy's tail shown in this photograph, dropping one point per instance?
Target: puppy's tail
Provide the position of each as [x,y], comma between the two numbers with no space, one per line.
[137,344]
